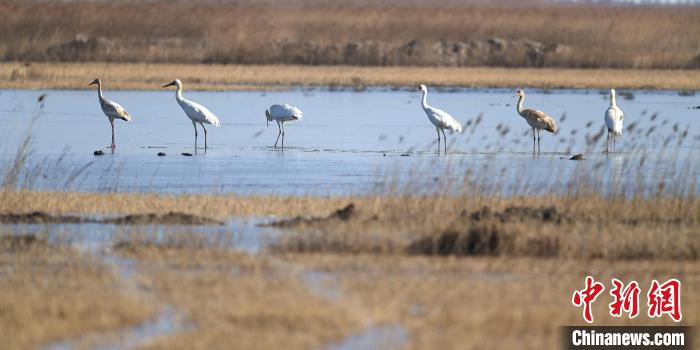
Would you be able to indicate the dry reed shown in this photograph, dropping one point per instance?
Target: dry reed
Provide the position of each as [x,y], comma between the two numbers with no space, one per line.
[142,76]
[354,33]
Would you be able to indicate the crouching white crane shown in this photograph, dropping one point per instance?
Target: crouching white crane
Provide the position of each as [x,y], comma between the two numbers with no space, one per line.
[441,119]
[111,109]
[613,121]
[282,113]
[196,112]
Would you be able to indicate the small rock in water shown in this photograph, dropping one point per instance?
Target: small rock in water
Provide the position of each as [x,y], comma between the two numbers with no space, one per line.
[161,154]
[186,154]
[405,155]
[99,152]
[577,157]
[696,107]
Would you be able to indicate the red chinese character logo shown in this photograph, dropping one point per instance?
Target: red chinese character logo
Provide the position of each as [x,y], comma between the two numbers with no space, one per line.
[625,299]
[665,299]
[587,296]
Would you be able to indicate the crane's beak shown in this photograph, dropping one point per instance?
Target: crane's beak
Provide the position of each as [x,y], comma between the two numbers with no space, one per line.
[93,83]
[170,84]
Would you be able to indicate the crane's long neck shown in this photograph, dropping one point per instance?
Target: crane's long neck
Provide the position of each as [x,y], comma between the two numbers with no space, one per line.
[178,93]
[424,101]
[99,91]
[519,107]
[613,101]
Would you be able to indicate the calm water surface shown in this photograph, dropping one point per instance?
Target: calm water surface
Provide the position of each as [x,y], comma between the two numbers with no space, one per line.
[348,142]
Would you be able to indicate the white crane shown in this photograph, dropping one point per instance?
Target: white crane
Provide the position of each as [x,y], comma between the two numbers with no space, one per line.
[441,119]
[613,121]
[282,113]
[536,119]
[196,112]
[111,109]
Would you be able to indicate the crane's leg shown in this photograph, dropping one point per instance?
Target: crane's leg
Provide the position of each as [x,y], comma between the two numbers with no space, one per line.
[113,146]
[614,144]
[205,137]
[438,132]
[279,132]
[539,145]
[195,136]
[283,136]
[534,141]
[607,142]
[444,138]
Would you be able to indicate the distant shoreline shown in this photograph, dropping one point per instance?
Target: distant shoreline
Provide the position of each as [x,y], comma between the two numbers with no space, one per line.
[211,77]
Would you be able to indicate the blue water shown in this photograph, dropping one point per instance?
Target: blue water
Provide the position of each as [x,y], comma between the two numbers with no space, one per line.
[347,143]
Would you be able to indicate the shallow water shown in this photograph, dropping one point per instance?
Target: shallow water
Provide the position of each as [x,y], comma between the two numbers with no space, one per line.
[163,324]
[374,337]
[347,143]
[242,234]
[97,240]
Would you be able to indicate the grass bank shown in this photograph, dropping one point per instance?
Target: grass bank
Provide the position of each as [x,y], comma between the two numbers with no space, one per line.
[52,293]
[438,271]
[657,227]
[142,76]
[359,32]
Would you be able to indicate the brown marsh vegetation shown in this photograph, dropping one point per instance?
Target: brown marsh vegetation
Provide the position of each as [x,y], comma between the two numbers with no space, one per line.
[538,226]
[466,270]
[51,293]
[509,34]
[305,300]
[142,76]
[442,269]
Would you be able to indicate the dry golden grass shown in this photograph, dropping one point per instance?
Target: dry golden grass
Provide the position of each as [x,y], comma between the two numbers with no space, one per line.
[636,228]
[50,293]
[247,77]
[490,303]
[473,303]
[133,203]
[332,32]
[237,301]
[583,227]
[364,275]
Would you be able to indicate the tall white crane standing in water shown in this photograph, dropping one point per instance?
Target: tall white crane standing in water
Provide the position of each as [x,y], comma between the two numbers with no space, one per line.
[196,112]
[441,119]
[111,109]
[613,121]
[536,119]
[282,113]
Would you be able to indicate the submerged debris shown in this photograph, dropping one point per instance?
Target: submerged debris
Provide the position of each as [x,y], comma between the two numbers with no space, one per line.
[99,152]
[491,233]
[187,154]
[577,157]
[37,217]
[21,242]
[476,240]
[171,218]
[342,214]
[161,154]
[517,214]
